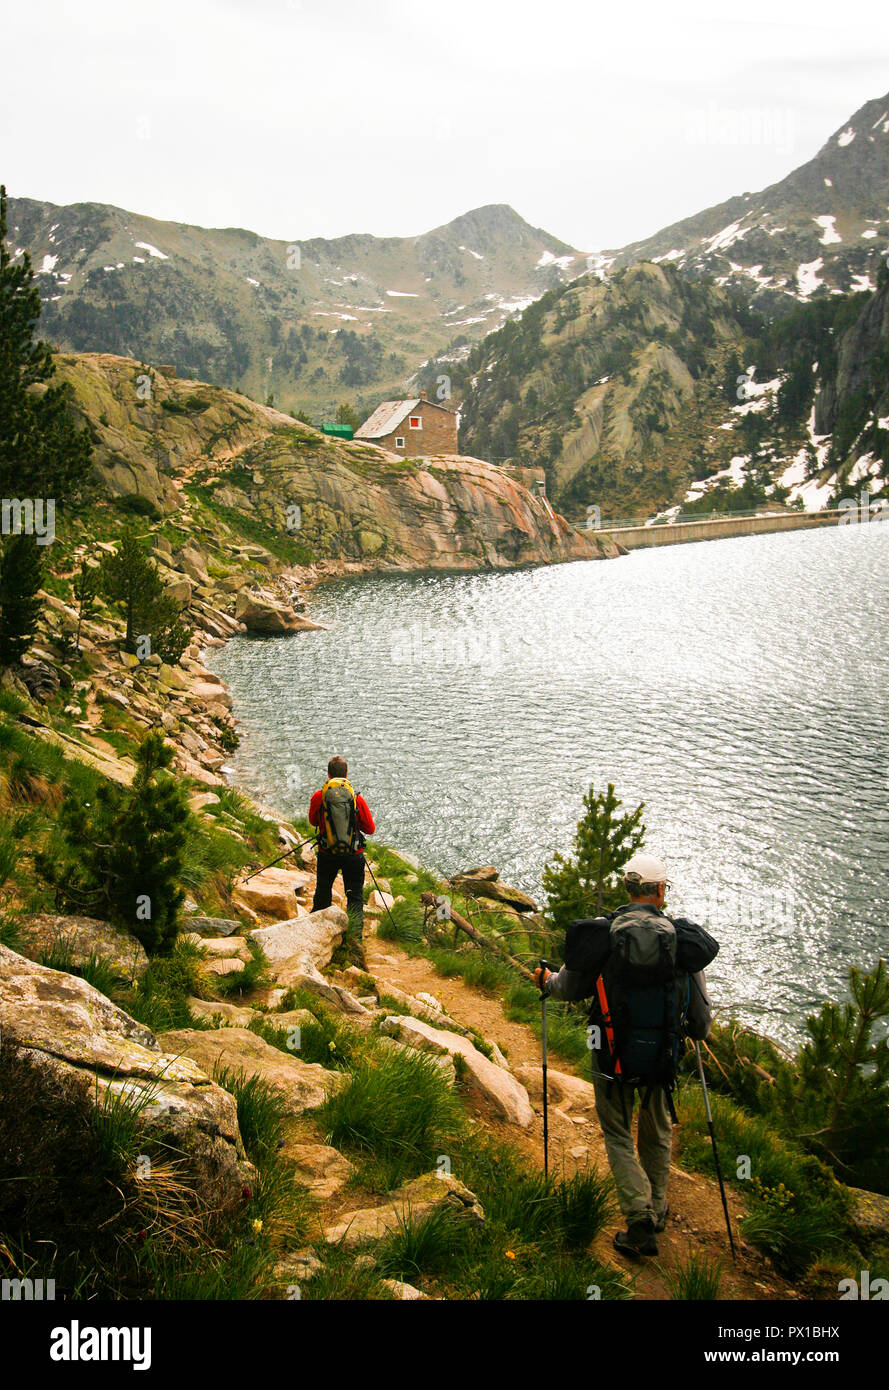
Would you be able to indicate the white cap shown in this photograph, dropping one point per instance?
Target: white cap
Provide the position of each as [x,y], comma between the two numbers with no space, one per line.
[644,868]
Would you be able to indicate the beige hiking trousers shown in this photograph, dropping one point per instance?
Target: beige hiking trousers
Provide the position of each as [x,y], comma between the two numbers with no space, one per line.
[641,1180]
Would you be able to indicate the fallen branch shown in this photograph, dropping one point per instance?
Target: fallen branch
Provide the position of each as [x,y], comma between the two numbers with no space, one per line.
[461,924]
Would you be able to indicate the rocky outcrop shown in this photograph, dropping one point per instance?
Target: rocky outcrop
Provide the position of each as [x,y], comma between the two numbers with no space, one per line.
[261,612]
[72,941]
[304,1085]
[67,1025]
[498,1086]
[356,502]
[485,883]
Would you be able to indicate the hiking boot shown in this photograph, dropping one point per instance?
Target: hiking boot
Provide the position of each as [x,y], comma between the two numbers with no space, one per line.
[638,1239]
[659,1223]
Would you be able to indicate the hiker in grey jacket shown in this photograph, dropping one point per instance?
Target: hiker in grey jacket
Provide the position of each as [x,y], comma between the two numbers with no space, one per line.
[641,1179]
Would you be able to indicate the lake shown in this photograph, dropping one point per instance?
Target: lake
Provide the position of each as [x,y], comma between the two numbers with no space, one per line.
[737,687]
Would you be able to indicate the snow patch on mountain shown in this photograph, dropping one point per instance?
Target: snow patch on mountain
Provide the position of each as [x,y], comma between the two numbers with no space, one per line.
[862,282]
[152,250]
[721,241]
[827,224]
[807,277]
[846,137]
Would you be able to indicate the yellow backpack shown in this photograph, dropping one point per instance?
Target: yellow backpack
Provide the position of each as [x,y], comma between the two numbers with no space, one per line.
[339,816]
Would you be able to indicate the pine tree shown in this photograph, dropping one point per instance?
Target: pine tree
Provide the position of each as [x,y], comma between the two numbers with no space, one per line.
[347,415]
[42,453]
[86,590]
[124,850]
[589,882]
[43,456]
[21,574]
[838,1089]
[130,578]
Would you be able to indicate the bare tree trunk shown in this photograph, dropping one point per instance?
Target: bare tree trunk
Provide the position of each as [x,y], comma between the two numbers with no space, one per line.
[461,924]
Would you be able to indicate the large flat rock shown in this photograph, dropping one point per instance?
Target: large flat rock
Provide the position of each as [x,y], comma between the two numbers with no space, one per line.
[305,1085]
[273,893]
[316,936]
[497,1085]
[323,1170]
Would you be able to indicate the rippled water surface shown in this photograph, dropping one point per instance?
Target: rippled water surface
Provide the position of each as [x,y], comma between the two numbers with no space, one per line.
[737,687]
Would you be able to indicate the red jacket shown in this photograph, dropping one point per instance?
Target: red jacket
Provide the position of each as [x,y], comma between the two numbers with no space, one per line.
[365,819]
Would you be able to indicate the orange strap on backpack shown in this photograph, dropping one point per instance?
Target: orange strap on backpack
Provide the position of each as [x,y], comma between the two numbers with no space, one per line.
[606,1019]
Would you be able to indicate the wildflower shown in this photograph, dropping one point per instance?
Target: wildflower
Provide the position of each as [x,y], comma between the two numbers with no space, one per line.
[257,1225]
[510,1254]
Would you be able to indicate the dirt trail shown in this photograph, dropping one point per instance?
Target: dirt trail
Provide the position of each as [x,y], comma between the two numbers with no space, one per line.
[696,1220]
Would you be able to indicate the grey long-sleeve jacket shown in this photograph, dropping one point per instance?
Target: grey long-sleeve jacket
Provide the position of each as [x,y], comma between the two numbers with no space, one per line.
[571,984]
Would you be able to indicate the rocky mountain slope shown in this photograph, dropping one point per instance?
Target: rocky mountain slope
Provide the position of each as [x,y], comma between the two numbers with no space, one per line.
[190,451]
[653,391]
[312,322]
[823,228]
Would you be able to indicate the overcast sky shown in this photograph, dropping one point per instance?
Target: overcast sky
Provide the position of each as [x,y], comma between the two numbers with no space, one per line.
[300,118]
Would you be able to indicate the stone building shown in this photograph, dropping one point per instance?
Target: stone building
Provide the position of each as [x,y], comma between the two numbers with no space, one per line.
[414,428]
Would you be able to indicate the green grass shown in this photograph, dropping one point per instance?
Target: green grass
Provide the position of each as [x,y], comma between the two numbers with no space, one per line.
[694,1279]
[427,1244]
[255,975]
[262,1111]
[402,923]
[341,1279]
[97,970]
[117,1120]
[797,1211]
[159,999]
[396,1113]
[323,1039]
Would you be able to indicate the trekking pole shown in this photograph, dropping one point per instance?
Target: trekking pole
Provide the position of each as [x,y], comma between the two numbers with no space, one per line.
[291,849]
[728,1223]
[381,893]
[543,968]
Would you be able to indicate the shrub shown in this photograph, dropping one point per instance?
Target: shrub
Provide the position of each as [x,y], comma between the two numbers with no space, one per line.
[589,882]
[124,850]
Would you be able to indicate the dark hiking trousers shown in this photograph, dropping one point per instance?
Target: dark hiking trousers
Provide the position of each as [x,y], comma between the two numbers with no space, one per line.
[352,867]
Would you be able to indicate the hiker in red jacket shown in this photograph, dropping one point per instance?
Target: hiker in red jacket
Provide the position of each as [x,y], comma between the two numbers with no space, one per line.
[342,819]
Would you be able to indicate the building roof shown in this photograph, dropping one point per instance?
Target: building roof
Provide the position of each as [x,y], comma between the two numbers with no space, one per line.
[388,416]
[385,419]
